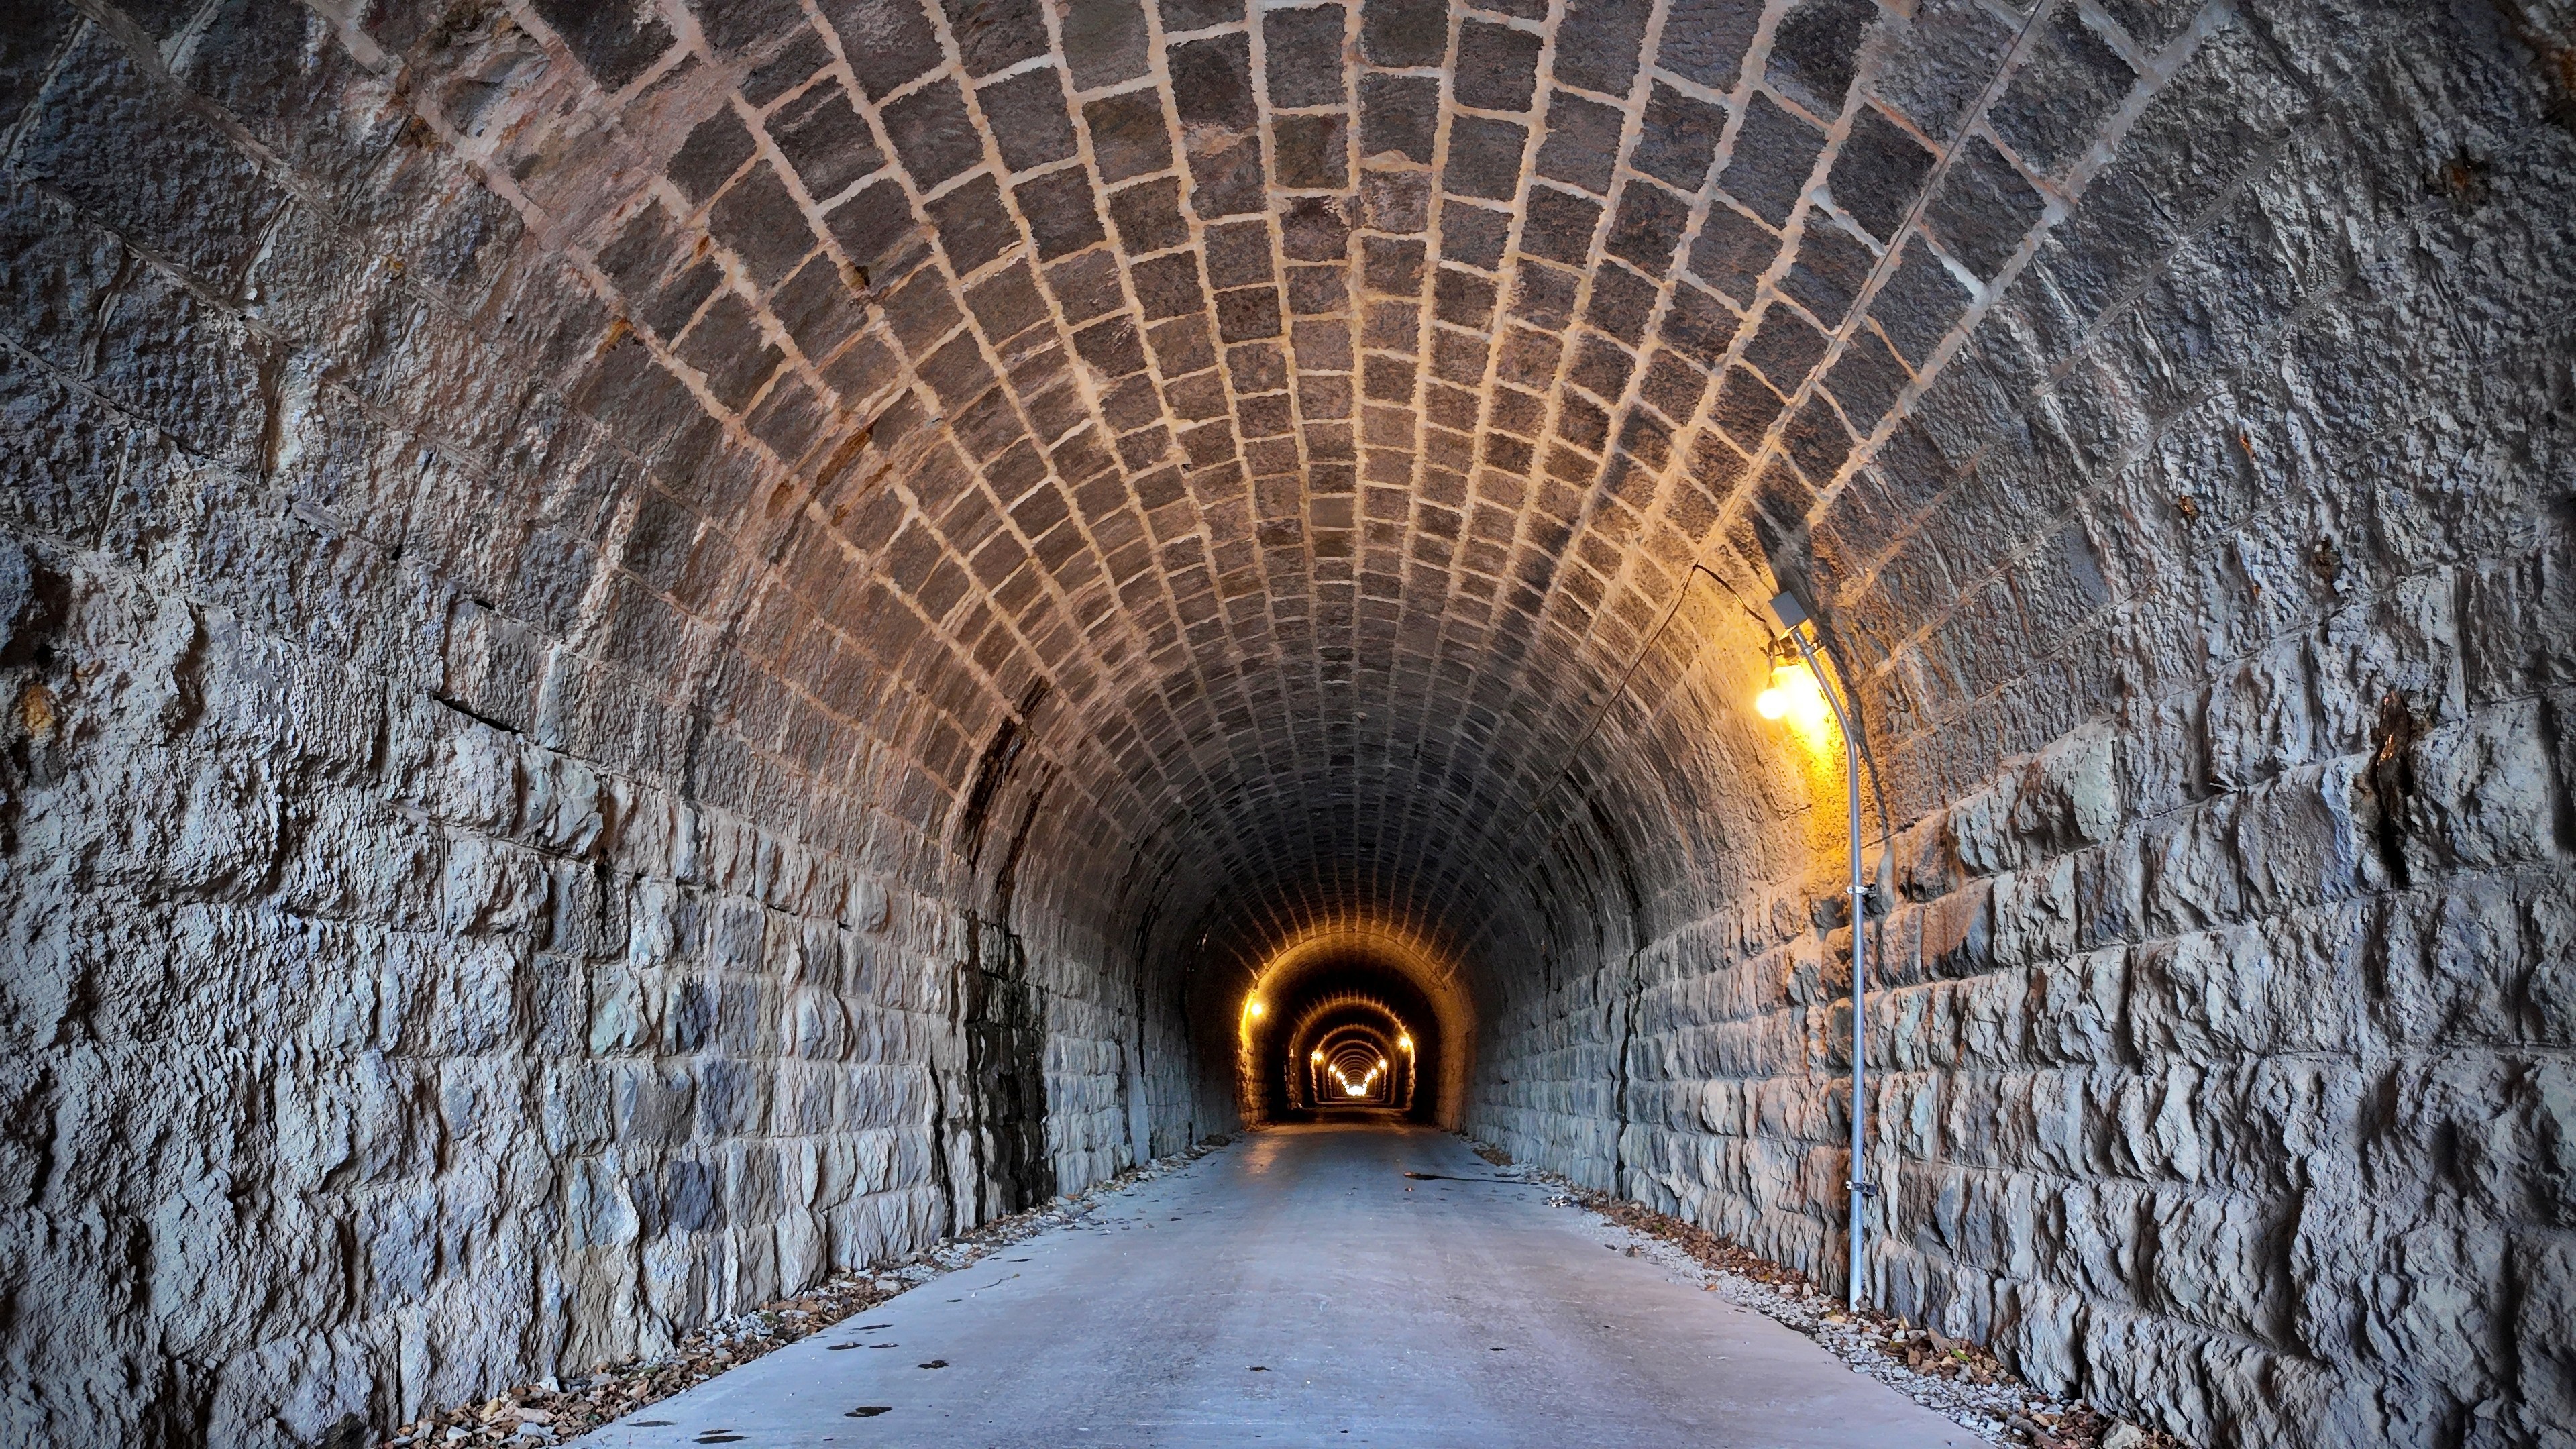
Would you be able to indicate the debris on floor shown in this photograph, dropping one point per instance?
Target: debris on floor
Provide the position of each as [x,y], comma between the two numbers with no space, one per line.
[1950,1376]
[552,1412]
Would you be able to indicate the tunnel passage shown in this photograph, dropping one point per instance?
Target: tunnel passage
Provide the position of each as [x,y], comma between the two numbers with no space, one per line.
[1350,1023]
[654,648]
[1267,1007]
[1359,1066]
[1362,1051]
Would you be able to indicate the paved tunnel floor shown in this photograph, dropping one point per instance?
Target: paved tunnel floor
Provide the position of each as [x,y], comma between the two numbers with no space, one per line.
[1298,1289]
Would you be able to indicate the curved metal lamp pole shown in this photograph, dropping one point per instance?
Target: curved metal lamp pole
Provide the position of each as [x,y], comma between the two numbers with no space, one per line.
[1801,631]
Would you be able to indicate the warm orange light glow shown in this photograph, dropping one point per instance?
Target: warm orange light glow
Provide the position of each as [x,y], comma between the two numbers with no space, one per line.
[1253,1008]
[1795,696]
[1405,1042]
[1422,959]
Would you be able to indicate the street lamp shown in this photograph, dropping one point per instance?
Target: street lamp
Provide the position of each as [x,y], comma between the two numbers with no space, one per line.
[1799,694]
[1793,693]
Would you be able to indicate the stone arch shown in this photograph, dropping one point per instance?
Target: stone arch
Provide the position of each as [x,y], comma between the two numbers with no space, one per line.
[673,598]
[1363,1015]
[1322,966]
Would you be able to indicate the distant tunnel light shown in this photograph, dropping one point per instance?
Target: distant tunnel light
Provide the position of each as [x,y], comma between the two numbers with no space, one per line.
[1319,1056]
[1405,1042]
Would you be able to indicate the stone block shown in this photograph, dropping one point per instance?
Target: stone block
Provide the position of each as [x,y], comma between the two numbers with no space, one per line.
[1984,210]
[1768,169]
[1878,173]
[1105,41]
[124,146]
[2077,1009]
[891,41]
[1815,51]
[2071,79]
[828,144]
[1598,42]
[2154,1131]
[1497,67]
[1403,33]
[2217,1263]
[2035,914]
[2545,1380]
[2484,793]
[1312,151]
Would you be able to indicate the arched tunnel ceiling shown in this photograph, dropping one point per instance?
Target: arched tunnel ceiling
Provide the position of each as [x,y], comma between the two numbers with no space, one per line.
[565,675]
[1346,438]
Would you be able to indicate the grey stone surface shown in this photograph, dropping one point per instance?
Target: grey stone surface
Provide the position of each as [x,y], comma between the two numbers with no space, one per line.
[644,653]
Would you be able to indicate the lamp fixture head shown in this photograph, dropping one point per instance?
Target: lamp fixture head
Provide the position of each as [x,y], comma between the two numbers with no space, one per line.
[1793,693]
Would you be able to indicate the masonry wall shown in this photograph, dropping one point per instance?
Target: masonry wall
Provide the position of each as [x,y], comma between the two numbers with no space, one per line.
[642,643]
[444,944]
[2222,1004]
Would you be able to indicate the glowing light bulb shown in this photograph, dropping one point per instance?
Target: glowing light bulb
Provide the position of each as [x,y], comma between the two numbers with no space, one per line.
[1253,1008]
[1404,1042]
[1319,1056]
[1794,696]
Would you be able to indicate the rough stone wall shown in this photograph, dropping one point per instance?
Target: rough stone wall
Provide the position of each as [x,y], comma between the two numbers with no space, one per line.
[2216,625]
[454,930]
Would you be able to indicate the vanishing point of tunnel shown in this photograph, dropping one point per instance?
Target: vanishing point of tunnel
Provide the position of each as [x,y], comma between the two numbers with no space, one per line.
[654,652]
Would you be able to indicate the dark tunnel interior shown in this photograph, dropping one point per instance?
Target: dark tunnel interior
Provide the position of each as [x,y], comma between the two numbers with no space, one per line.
[1351,1003]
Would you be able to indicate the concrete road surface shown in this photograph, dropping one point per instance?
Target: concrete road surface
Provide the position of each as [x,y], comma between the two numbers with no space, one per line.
[1299,1289]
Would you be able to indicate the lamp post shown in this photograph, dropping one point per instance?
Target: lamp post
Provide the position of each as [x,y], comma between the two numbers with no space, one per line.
[1800,632]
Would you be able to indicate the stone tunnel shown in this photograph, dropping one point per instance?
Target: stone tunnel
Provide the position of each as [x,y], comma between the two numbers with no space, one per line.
[653,650]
